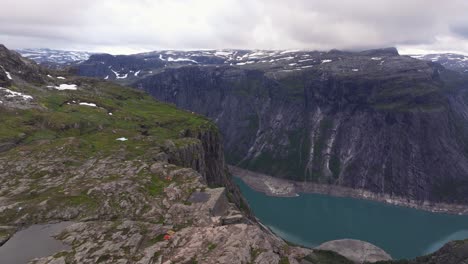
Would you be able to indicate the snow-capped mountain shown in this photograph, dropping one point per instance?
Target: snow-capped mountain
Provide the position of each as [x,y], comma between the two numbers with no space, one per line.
[452,61]
[55,58]
[127,68]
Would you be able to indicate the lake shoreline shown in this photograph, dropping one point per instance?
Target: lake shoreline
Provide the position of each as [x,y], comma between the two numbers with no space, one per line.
[272,186]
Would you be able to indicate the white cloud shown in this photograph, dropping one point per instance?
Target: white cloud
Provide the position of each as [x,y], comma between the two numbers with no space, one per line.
[125,26]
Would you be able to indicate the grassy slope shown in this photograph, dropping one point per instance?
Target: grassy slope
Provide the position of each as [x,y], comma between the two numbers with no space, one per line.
[59,139]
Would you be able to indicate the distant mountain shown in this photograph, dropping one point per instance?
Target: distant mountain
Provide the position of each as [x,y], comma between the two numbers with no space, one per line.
[55,59]
[452,61]
[129,68]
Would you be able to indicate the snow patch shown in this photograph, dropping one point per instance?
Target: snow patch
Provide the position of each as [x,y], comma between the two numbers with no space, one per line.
[355,70]
[326,61]
[64,87]
[7,73]
[88,104]
[107,77]
[289,51]
[286,58]
[136,73]
[223,53]
[180,59]
[122,139]
[376,58]
[119,76]
[60,77]
[11,94]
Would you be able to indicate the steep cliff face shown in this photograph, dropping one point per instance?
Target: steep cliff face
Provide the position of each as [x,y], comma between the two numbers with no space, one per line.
[203,151]
[378,121]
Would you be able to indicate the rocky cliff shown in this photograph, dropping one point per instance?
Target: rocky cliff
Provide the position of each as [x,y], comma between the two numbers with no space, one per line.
[373,120]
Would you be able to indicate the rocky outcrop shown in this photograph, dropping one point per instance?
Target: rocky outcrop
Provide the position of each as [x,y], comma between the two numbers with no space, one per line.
[12,64]
[356,251]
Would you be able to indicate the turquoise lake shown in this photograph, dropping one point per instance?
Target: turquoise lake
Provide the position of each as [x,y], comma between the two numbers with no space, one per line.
[311,219]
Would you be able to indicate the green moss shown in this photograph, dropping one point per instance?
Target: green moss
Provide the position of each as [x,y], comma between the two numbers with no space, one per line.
[81,199]
[157,239]
[284,260]
[156,187]
[211,246]
[254,253]
[61,254]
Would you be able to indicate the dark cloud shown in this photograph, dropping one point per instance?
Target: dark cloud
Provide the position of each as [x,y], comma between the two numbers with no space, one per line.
[126,26]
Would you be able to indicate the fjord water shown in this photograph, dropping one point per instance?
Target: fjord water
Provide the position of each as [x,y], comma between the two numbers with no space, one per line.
[311,219]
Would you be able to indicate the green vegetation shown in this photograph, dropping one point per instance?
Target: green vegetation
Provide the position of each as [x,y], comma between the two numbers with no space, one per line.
[157,239]
[254,252]
[63,136]
[406,96]
[157,185]
[135,116]
[211,246]
[284,260]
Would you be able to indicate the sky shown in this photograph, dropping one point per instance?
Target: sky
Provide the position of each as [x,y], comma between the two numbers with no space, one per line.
[131,26]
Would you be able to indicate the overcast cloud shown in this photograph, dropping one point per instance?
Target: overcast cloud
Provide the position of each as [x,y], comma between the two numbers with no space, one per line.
[127,26]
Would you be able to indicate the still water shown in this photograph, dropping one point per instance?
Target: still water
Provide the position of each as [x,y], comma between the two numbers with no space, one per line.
[311,219]
[33,242]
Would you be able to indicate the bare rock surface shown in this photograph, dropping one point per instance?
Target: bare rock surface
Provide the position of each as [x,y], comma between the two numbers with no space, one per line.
[356,250]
